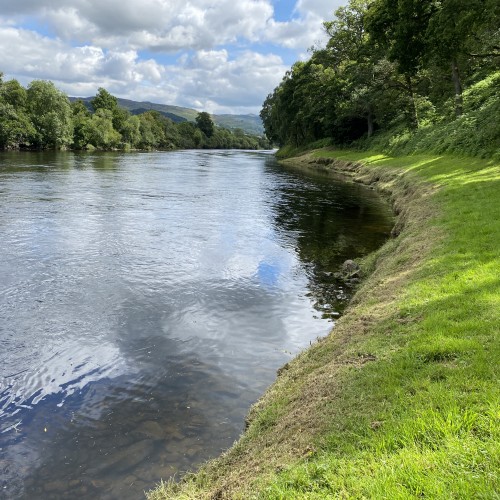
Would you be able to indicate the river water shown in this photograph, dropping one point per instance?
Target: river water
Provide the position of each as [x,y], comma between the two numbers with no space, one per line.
[147,300]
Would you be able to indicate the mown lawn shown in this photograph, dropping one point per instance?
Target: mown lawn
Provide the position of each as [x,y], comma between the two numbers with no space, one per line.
[402,400]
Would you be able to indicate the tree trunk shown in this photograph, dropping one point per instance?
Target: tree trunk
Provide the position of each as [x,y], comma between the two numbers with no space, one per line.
[459,102]
[369,121]
[413,106]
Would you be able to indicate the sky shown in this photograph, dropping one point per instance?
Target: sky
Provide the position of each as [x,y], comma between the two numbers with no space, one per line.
[220,56]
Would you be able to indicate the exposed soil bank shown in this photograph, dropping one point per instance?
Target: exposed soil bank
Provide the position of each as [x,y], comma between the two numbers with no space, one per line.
[401,400]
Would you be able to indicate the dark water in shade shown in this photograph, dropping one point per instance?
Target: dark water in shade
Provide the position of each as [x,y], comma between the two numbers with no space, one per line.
[146,301]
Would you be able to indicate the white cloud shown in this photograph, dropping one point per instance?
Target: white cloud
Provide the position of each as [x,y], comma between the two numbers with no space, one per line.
[167,25]
[220,83]
[305,30]
[208,79]
[324,9]
[171,25]
[96,43]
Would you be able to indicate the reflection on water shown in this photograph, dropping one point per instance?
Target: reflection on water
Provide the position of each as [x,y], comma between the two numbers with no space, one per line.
[146,301]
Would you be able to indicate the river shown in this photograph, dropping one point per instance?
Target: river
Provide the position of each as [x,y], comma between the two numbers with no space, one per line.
[147,300]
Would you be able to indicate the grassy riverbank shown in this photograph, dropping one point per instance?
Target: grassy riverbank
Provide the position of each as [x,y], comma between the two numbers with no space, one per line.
[402,399]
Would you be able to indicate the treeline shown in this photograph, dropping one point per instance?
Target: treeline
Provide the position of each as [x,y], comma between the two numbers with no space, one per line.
[42,117]
[390,65]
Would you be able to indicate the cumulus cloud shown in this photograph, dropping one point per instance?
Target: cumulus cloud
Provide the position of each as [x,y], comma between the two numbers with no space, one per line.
[91,43]
[167,25]
[206,79]
[306,28]
[172,25]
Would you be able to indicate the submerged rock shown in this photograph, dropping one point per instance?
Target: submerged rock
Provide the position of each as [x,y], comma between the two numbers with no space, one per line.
[152,430]
[351,269]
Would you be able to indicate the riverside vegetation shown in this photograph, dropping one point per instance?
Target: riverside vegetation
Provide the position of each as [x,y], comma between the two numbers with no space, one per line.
[402,399]
[42,117]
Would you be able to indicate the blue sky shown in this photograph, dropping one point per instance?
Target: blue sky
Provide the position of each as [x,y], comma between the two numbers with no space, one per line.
[222,56]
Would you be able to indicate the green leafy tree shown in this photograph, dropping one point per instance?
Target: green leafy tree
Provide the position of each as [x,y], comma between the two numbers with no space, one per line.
[186,135]
[131,131]
[120,117]
[399,27]
[50,112]
[16,128]
[452,32]
[421,33]
[13,93]
[205,123]
[152,130]
[81,124]
[172,138]
[104,100]
[100,130]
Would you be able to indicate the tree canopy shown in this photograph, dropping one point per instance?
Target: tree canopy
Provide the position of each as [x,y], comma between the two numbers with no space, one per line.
[387,63]
[42,117]
[205,123]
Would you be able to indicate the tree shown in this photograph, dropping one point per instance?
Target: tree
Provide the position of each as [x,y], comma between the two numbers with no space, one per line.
[81,124]
[13,93]
[152,130]
[359,63]
[451,34]
[104,100]
[205,123]
[186,134]
[50,112]
[399,26]
[100,131]
[422,33]
[16,128]
[131,131]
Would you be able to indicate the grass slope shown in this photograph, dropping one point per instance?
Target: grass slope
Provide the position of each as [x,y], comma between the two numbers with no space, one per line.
[475,133]
[402,399]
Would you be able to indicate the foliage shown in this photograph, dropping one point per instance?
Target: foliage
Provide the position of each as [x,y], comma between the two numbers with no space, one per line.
[15,127]
[474,133]
[41,117]
[205,123]
[388,65]
[104,100]
[50,113]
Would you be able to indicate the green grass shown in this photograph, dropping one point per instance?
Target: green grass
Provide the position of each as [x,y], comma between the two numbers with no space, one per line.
[402,400]
[475,133]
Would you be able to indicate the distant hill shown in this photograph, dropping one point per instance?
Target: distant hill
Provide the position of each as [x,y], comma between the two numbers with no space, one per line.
[251,124]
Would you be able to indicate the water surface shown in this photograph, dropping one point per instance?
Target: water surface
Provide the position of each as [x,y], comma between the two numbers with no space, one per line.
[146,301]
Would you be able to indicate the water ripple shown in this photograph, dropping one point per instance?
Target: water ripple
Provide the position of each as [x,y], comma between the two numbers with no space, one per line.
[146,301]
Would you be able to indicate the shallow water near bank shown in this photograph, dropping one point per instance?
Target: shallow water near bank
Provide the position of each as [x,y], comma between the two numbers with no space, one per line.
[146,301]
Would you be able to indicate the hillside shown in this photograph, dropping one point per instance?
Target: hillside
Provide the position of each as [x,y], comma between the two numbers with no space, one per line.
[251,124]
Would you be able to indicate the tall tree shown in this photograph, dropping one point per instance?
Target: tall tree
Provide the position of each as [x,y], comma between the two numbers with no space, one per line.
[400,26]
[81,124]
[16,128]
[100,131]
[104,100]
[12,92]
[50,112]
[451,33]
[205,123]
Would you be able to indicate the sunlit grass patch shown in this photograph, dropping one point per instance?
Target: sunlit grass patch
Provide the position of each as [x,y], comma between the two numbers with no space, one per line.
[402,400]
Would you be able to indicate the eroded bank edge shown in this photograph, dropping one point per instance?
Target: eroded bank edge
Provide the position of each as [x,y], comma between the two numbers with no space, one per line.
[285,425]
